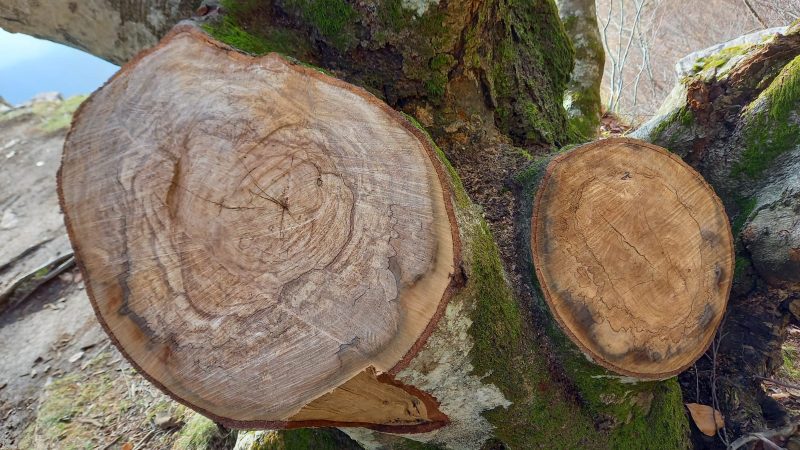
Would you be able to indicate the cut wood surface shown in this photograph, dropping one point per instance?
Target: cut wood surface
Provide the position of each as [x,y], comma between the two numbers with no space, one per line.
[634,254]
[266,243]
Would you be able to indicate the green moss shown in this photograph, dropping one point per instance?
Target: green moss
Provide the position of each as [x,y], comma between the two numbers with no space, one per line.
[436,84]
[517,48]
[309,438]
[541,126]
[772,126]
[60,406]
[300,439]
[746,207]
[665,426]
[582,102]
[67,399]
[393,16]
[228,32]
[57,115]
[542,414]
[740,267]
[685,117]
[408,444]
[199,433]
[527,61]
[791,362]
[333,19]
[240,29]
[681,117]
[583,126]
[163,406]
[540,410]
[708,65]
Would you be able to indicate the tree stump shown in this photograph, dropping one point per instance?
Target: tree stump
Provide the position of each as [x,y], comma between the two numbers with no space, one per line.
[267,244]
[634,254]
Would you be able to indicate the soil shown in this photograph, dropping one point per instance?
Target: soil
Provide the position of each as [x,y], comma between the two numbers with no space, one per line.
[62,383]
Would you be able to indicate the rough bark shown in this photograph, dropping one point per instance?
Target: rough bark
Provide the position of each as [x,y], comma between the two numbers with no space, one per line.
[734,117]
[114,30]
[582,98]
[484,77]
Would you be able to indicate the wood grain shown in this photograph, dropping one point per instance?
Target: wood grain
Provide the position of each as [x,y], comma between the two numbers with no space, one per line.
[254,233]
[634,254]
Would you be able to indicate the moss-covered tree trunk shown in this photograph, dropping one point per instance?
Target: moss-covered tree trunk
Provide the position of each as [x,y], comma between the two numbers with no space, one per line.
[582,98]
[734,117]
[486,78]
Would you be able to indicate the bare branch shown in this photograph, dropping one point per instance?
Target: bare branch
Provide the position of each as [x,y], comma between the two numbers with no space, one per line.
[754,13]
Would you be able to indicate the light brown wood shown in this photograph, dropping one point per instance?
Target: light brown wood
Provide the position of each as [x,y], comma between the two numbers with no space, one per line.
[254,234]
[367,399]
[634,254]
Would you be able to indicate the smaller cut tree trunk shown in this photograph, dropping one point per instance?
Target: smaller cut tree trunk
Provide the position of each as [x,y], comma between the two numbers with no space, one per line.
[634,254]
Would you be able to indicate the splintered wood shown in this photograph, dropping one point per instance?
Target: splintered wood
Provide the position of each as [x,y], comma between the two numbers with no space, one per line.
[634,254]
[265,243]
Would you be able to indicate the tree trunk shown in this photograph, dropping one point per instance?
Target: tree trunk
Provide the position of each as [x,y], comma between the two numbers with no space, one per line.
[114,30]
[582,98]
[486,78]
[734,118]
[619,221]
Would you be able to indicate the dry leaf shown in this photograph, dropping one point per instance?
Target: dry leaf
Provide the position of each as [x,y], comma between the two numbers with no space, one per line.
[707,419]
[126,446]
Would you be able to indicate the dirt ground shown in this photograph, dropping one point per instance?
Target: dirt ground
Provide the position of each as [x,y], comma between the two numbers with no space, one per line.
[62,384]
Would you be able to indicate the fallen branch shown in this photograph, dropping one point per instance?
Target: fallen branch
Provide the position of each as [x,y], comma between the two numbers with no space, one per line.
[23,254]
[754,13]
[765,437]
[27,284]
[779,383]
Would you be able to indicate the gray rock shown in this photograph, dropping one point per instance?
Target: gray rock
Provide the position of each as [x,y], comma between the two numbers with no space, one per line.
[4,105]
[772,236]
[685,66]
[46,97]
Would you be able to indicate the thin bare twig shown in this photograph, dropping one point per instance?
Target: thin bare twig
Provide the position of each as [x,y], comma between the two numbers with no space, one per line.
[764,437]
[754,13]
[722,433]
[779,383]
[32,280]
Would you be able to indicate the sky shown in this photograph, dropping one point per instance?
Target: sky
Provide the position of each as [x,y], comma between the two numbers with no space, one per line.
[29,66]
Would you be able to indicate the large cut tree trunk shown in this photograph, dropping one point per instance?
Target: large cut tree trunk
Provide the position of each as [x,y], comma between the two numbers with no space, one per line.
[486,79]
